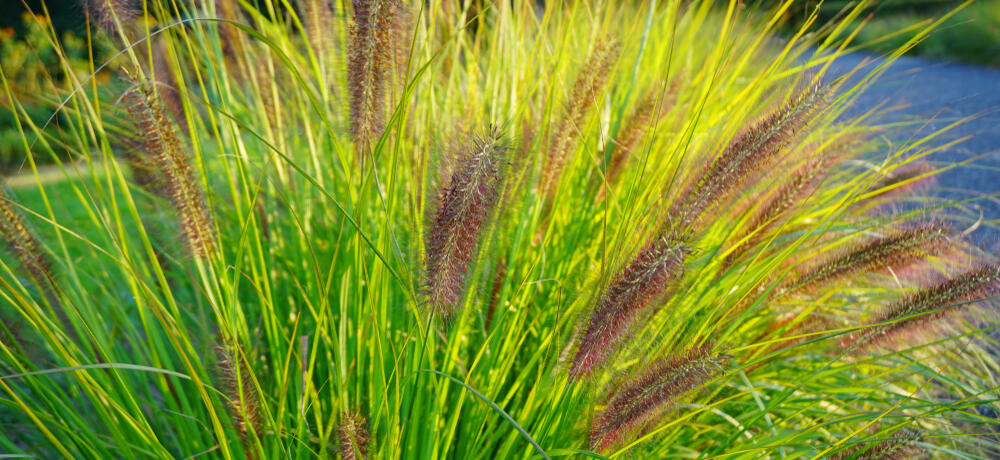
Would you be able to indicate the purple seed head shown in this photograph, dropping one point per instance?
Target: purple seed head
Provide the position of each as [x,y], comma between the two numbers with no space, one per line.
[745,156]
[638,400]
[370,51]
[926,306]
[465,205]
[643,282]
[353,436]
[896,250]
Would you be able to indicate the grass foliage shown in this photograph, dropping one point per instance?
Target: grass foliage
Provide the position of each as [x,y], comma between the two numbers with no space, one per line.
[377,229]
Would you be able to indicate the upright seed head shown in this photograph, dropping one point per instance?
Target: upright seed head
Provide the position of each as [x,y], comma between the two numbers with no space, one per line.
[895,250]
[637,401]
[588,87]
[370,57]
[927,305]
[649,109]
[353,436]
[165,155]
[237,384]
[745,156]
[465,205]
[644,281]
[317,20]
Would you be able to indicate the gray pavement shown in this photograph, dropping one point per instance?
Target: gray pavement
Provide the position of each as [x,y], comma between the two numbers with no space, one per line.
[945,93]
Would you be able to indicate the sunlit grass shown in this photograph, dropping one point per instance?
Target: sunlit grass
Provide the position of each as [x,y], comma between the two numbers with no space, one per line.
[307,327]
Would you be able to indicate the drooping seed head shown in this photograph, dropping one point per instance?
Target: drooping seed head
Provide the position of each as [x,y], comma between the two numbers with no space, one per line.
[926,306]
[465,206]
[165,155]
[894,251]
[22,243]
[353,436]
[636,288]
[745,156]
[108,14]
[637,401]
[789,195]
[902,445]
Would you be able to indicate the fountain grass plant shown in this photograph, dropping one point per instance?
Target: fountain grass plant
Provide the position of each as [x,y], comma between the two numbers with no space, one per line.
[383,229]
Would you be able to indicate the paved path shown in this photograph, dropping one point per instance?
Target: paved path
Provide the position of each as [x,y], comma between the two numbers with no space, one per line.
[947,92]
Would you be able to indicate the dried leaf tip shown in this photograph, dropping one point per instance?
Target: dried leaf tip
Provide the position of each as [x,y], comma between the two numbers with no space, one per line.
[639,400]
[927,305]
[588,87]
[644,281]
[370,53]
[237,384]
[465,206]
[172,166]
[744,157]
[353,436]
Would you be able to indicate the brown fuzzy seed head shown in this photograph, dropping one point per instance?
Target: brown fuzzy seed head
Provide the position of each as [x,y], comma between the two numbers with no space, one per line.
[103,14]
[353,436]
[237,384]
[745,156]
[895,251]
[634,130]
[927,305]
[789,195]
[165,155]
[588,87]
[644,281]
[900,446]
[21,242]
[465,205]
[642,398]
[369,59]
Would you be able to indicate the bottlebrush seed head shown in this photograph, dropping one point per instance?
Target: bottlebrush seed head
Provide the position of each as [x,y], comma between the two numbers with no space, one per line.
[927,305]
[369,59]
[895,251]
[634,130]
[237,384]
[21,242]
[103,14]
[642,398]
[900,446]
[353,436]
[644,281]
[788,196]
[744,157]
[587,88]
[172,165]
[465,205]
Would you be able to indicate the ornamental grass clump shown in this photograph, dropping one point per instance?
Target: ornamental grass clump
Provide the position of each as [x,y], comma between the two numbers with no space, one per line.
[670,236]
